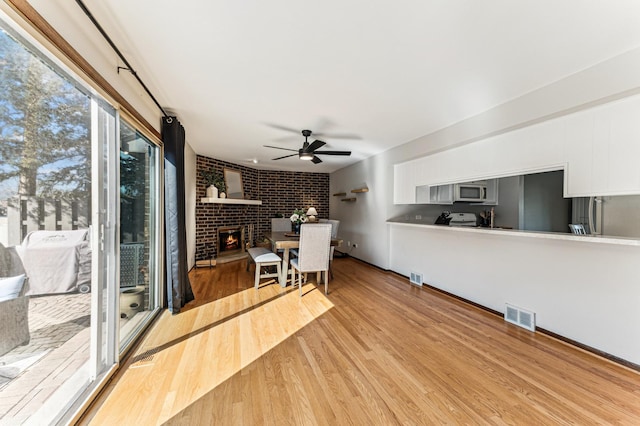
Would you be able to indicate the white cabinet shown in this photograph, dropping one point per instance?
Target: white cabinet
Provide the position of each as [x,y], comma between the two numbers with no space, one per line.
[434,194]
[492,192]
[423,194]
[404,187]
[598,147]
[441,194]
[579,153]
[623,174]
[603,150]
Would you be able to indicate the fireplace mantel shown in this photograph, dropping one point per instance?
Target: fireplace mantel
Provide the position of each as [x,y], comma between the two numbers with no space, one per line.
[230,201]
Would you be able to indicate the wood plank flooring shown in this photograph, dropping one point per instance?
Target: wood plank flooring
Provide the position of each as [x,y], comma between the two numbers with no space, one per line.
[375,351]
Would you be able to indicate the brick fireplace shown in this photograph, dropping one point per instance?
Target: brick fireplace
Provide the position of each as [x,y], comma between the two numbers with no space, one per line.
[230,240]
[280,191]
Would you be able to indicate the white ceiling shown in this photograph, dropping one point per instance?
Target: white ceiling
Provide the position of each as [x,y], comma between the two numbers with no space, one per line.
[386,72]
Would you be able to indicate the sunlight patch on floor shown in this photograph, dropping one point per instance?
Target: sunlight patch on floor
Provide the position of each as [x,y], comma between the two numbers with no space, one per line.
[201,348]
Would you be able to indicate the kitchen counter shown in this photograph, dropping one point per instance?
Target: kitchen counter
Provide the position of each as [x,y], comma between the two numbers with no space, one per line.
[600,239]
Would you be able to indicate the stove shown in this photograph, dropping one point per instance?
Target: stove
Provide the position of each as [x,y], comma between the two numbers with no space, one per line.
[463,219]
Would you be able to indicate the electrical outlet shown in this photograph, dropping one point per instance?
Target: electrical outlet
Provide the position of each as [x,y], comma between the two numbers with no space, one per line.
[348,243]
[418,217]
[355,245]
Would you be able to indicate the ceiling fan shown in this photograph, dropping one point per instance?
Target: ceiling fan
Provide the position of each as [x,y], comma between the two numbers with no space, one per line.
[309,150]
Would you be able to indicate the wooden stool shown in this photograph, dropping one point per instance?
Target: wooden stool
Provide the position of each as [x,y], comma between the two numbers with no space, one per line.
[264,257]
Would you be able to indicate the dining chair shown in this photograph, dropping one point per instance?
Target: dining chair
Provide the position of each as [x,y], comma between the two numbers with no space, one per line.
[334,234]
[280,224]
[313,253]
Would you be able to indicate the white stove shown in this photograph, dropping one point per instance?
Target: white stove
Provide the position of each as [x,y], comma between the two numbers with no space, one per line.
[463,219]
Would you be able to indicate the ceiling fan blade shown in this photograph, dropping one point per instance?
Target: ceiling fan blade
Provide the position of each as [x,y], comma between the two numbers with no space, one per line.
[333,152]
[338,136]
[316,160]
[315,145]
[277,147]
[286,156]
[285,128]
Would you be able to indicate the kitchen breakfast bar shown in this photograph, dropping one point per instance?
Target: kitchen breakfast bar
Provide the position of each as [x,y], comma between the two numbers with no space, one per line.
[584,288]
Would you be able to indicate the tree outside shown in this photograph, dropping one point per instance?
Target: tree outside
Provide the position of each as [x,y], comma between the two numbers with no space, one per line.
[45,144]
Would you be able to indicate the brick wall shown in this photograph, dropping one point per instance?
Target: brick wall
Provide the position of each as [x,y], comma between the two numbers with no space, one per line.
[281,192]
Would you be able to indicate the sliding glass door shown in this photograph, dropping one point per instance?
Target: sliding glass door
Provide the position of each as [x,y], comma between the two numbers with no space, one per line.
[139,231]
[79,234]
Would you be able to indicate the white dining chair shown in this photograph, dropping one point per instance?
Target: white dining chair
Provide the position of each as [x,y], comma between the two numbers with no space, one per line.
[280,224]
[313,253]
[334,234]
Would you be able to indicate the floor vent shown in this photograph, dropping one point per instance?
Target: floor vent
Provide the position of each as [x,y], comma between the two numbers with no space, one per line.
[416,279]
[144,357]
[520,317]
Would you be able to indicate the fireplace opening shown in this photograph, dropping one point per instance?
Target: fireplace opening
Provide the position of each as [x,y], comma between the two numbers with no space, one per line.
[230,240]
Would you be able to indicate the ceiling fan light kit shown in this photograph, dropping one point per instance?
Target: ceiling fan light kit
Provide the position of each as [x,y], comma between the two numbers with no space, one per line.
[305,155]
[309,150]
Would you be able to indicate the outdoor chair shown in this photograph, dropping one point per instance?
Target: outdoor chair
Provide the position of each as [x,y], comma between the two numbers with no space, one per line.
[14,305]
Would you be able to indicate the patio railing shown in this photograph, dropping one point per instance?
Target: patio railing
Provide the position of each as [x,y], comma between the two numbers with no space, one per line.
[27,213]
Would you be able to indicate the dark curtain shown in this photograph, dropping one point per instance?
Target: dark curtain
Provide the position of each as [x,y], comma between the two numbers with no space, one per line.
[179,290]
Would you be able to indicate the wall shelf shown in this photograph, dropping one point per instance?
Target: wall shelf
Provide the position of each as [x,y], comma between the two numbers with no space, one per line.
[359,190]
[230,201]
[349,199]
[339,194]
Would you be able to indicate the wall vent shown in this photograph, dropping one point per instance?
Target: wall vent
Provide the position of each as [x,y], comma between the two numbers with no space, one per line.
[416,279]
[520,317]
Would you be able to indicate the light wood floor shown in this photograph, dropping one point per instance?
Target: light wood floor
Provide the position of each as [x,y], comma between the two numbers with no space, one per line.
[376,351]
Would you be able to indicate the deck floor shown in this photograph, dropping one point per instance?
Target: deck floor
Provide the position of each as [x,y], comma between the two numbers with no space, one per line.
[59,345]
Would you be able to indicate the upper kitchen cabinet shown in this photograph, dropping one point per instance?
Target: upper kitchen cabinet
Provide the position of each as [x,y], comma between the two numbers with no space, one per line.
[404,186]
[623,119]
[492,193]
[441,194]
[579,135]
[531,149]
[599,149]
[603,150]
[434,194]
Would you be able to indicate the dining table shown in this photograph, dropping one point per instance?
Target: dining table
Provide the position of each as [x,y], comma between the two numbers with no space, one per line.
[286,241]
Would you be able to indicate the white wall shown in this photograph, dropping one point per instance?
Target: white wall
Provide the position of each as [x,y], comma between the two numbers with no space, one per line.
[190,203]
[363,221]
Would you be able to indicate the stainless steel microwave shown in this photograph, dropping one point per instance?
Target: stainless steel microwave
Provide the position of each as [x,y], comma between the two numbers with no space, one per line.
[471,192]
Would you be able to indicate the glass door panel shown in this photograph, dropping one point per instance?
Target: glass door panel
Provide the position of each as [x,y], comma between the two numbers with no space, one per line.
[58,170]
[138,283]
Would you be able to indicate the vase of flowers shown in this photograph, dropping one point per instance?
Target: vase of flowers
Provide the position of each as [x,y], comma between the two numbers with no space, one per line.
[297,218]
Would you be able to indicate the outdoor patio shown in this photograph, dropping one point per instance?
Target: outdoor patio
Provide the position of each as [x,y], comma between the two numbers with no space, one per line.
[59,345]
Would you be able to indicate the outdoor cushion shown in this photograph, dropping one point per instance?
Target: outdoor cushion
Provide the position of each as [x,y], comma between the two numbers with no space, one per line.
[11,287]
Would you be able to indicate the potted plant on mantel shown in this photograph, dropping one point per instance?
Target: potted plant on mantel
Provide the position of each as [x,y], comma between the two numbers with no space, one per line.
[214,182]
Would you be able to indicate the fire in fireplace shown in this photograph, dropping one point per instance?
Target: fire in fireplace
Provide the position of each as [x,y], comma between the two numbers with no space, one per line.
[230,240]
